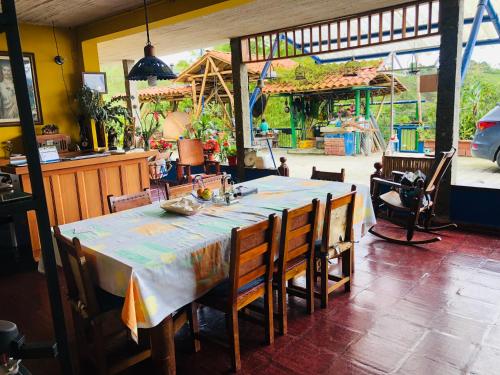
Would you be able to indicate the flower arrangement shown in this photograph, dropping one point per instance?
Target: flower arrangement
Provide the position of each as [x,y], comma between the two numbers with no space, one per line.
[162,145]
[211,146]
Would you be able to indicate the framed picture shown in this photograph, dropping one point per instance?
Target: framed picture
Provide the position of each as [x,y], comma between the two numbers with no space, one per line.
[95,81]
[9,113]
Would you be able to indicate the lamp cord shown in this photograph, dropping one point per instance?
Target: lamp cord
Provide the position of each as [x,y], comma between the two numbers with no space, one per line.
[147,20]
[68,97]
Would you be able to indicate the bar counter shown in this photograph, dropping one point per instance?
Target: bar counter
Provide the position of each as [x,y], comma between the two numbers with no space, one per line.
[78,189]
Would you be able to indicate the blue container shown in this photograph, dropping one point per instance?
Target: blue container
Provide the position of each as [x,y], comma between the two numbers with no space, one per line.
[350,143]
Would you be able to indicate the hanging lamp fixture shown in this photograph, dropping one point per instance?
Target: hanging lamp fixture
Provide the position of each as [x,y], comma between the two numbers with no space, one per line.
[150,68]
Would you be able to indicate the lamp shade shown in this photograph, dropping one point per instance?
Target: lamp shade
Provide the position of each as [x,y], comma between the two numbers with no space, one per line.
[149,67]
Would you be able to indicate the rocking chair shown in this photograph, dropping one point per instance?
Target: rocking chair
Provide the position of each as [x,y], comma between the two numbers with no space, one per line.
[420,211]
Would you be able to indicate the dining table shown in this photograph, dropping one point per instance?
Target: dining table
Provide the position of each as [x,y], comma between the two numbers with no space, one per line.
[160,261]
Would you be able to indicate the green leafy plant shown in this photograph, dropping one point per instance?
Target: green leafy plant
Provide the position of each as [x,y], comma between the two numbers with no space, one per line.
[150,120]
[111,114]
[477,98]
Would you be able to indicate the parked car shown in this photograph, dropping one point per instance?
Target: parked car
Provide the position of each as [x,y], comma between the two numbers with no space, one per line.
[486,143]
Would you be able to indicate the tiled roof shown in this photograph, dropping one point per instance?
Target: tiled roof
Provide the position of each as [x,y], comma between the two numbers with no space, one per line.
[165,92]
[364,76]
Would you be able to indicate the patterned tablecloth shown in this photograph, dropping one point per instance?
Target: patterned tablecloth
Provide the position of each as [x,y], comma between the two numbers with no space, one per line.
[160,262]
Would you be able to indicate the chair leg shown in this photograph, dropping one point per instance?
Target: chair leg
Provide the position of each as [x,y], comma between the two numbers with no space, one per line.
[194,325]
[324,282]
[310,285]
[99,350]
[268,314]
[346,268]
[282,314]
[234,338]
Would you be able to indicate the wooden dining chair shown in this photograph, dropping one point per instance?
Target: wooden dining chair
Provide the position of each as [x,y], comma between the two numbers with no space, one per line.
[177,191]
[296,258]
[100,334]
[250,278]
[191,155]
[117,203]
[337,242]
[328,176]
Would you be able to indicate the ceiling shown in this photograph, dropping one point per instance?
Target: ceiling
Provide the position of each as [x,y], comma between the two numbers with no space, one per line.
[216,28]
[72,13]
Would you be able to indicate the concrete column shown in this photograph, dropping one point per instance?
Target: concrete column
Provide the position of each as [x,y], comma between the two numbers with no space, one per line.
[451,20]
[241,104]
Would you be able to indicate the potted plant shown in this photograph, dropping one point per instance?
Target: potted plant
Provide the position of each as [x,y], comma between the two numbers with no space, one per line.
[162,145]
[231,152]
[149,122]
[161,165]
[109,116]
[211,146]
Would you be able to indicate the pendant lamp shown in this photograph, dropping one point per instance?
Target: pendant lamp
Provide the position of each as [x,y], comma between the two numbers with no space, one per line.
[150,68]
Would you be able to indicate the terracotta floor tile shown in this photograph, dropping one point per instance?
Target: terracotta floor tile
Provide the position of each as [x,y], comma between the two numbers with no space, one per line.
[397,330]
[491,265]
[473,309]
[305,358]
[373,301]
[467,329]
[343,366]
[416,365]
[481,293]
[377,353]
[487,362]
[389,286]
[413,312]
[493,337]
[444,348]
[354,317]
[421,310]
[331,336]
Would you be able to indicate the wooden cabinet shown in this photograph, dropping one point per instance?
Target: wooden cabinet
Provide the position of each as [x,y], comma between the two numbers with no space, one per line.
[77,190]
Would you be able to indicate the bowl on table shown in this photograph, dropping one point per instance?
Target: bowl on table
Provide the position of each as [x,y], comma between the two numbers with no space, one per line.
[182,206]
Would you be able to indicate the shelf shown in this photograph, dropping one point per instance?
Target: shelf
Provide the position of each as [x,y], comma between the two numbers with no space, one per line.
[18,206]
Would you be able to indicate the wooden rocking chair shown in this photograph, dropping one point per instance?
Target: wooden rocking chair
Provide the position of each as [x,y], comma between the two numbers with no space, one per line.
[421,211]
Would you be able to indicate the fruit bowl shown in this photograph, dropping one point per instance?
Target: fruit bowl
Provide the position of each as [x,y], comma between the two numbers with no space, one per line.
[204,194]
[182,206]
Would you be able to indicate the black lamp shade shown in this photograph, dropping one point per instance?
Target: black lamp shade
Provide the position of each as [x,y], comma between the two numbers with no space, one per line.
[150,66]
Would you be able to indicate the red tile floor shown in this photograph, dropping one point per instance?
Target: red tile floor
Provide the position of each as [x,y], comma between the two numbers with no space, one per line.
[433,309]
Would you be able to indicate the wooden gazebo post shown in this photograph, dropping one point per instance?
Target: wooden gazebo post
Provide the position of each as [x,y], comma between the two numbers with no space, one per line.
[241,102]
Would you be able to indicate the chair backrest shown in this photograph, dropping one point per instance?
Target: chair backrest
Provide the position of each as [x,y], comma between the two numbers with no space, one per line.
[176,191]
[439,169]
[252,255]
[338,221]
[126,202]
[81,292]
[298,234]
[190,151]
[328,176]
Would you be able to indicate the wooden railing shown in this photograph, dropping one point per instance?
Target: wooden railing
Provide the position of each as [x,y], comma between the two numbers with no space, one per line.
[414,20]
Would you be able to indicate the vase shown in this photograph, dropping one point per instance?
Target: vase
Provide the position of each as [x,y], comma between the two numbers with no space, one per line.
[211,156]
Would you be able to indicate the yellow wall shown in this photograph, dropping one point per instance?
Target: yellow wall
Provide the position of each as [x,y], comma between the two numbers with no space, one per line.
[54,101]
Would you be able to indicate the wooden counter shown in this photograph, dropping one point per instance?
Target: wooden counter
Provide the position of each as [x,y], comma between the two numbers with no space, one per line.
[78,189]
